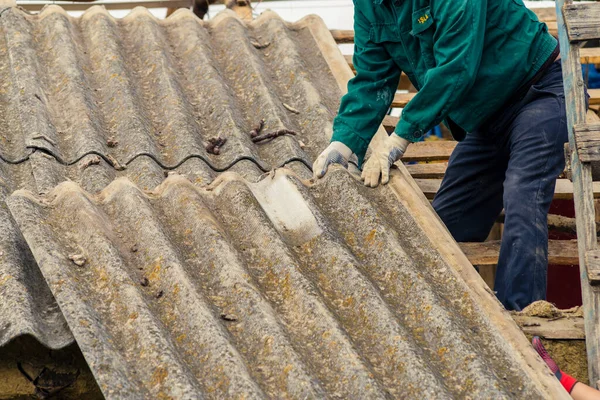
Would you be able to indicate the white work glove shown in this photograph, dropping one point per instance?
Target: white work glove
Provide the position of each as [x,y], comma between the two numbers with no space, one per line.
[380,162]
[335,153]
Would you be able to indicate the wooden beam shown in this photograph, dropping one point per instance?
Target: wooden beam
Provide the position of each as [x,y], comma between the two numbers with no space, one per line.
[389,123]
[435,170]
[563,191]
[567,328]
[594,96]
[587,140]
[438,150]
[592,261]
[343,36]
[590,55]
[583,187]
[402,99]
[545,14]
[560,252]
[119,5]
[582,21]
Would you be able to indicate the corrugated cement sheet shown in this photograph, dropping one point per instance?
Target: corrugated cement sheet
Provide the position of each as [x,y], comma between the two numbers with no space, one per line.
[139,86]
[27,306]
[272,289]
[94,98]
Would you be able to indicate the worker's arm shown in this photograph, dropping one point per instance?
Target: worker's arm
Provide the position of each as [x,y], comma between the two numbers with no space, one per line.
[457,46]
[370,92]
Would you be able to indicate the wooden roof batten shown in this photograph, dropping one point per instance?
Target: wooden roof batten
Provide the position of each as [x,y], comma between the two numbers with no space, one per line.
[577,23]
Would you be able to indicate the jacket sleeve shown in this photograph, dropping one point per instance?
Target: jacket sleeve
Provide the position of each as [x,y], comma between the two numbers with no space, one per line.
[457,48]
[370,92]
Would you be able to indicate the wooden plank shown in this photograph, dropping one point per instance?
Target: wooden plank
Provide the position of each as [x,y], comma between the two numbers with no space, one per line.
[389,123]
[587,140]
[545,14]
[429,151]
[434,170]
[119,5]
[568,328]
[582,21]
[560,252]
[592,260]
[583,187]
[563,191]
[343,36]
[590,55]
[402,99]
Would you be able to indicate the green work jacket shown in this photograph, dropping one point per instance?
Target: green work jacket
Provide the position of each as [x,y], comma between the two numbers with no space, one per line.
[465,57]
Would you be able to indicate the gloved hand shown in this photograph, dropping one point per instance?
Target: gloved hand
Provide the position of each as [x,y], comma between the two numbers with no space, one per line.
[335,153]
[380,162]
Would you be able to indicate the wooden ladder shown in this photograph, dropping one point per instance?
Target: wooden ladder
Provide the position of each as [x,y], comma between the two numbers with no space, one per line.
[576,24]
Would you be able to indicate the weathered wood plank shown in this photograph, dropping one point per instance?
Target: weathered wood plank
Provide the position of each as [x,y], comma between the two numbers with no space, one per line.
[402,99]
[590,55]
[560,252]
[583,187]
[560,329]
[427,171]
[110,5]
[587,140]
[563,191]
[582,21]
[429,151]
[592,261]
[389,123]
[343,36]
[545,14]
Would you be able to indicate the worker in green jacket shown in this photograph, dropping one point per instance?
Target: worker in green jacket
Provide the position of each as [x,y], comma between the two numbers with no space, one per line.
[491,72]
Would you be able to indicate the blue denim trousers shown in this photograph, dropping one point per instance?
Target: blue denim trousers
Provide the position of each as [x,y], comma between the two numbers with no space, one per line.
[511,162]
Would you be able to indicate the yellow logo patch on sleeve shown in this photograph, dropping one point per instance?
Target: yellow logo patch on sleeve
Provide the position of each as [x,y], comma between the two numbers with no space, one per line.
[423,19]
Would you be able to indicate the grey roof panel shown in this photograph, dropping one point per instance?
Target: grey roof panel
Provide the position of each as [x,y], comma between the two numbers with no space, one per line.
[267,289]
[161,88]
[27,306]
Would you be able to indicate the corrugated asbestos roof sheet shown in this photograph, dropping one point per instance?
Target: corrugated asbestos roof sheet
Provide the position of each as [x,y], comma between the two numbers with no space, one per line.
[140,86]
[95,98]
[270,289]
[257,285]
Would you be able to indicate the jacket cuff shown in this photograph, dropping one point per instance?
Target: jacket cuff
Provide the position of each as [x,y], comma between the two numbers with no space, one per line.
[408,131]
[345,134]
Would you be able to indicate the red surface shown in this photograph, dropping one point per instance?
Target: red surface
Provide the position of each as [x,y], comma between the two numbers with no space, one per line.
[564,286]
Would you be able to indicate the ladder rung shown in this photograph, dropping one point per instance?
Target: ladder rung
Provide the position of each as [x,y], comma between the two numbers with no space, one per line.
[592,264]
[582,21]
[587,140]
